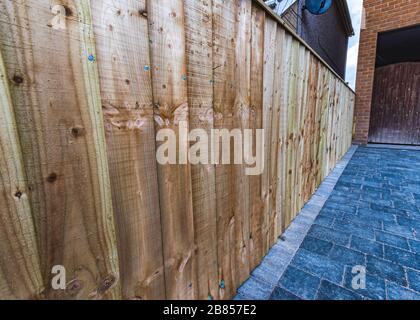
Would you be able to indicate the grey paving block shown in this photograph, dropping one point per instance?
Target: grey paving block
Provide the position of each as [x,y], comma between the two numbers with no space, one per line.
[330,291]
[397,292]
[300,283]
[366,212]
[386,269]
[319,265]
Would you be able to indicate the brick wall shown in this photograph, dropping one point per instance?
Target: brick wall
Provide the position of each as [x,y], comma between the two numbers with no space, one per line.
[381,15]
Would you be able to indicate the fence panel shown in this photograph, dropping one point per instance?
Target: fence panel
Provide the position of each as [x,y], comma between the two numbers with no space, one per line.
[92,83]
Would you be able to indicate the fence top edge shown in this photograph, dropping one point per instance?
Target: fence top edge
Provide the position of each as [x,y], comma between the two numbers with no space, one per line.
[279,20]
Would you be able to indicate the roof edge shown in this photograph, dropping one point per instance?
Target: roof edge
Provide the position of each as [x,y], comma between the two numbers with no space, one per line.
[343,8]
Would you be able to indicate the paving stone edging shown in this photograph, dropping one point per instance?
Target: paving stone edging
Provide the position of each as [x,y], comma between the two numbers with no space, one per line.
[266,276]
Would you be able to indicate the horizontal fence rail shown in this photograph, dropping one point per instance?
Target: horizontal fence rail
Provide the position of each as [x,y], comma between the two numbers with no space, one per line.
[85,87]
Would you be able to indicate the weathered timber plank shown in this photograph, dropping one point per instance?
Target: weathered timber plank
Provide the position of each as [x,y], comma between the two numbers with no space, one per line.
[124,67]
[310,131]
[281,203]
[270,36]
[199,37]
[242,110]
[169,74]
[305,129]
[257,87]
[275,129]
[323,126]
[300,116]
[317,129]
[224,19]
[20,273]
[55,92]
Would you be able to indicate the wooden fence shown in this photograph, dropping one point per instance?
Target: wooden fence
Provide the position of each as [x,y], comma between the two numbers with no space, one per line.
[84,87]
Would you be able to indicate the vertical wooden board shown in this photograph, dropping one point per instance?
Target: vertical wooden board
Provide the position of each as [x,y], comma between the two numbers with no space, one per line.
[297,96]
[310,188]
[336,116]
[323,122]
[242,112]
[347,122]
[281,203]
[332,128]
[303,115]
[20,273]
[270,35]
[318,119]
[124,68]
[169,74]
[330,120]
[337,125]
[292,105]
[344,122]
[349,118]
[307,127]
[257,81]
[317,124]
[340,143]
[300,91]
[341,126]
[308,131]
[327,120]
[326,157]
[224,17]
[199,37]
[275,131]
[55,93]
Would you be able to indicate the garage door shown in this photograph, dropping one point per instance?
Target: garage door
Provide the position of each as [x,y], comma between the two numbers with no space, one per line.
[395,116]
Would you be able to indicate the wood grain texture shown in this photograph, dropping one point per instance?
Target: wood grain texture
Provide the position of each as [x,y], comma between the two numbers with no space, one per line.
[242,111]
[257,88]
[224,19]
[396,105]
[291,131]
[281,200]
[270,37]
[170,93]
[127,102]
[275,134]
[199,49]
[55,93]
[20,273]
[88,102]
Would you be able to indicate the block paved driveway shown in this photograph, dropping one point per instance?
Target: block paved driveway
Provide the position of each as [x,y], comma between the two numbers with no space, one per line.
[371,219]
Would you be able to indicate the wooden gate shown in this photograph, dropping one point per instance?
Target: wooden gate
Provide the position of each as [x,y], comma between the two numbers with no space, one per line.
[395,116]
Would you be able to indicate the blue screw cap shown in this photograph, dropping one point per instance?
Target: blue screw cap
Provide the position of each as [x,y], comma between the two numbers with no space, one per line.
[222,284]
